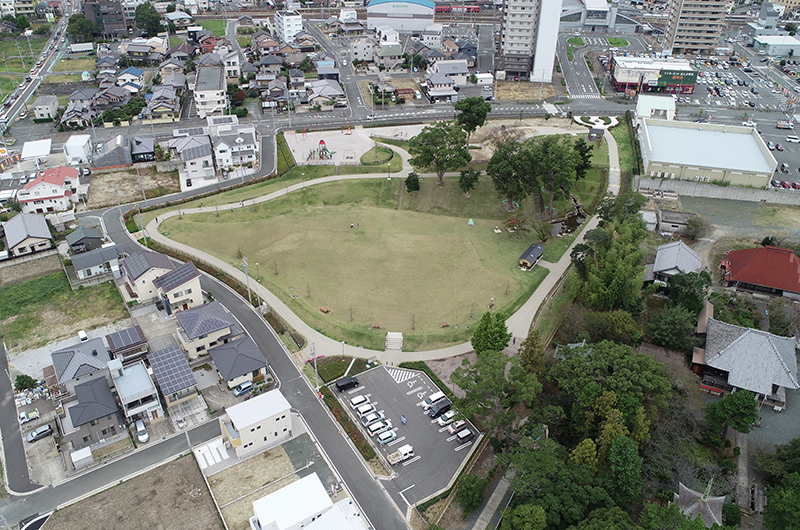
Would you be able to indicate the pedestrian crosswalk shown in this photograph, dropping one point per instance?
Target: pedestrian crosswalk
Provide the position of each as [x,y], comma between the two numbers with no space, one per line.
[400,375]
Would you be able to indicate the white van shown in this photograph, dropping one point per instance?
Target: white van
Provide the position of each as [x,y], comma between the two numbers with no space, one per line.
[793,139]
[358,401]
[430,400]
[363,410]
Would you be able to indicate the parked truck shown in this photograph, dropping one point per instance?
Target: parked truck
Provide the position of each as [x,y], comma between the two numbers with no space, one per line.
[25,417]
[404,453]
[784,124]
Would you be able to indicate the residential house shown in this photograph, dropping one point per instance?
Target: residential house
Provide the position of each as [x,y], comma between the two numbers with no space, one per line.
[454,69]
[389,55]
[128,345]
[163,106]
[27,233]
[239,361]
[771,270]
[116,153]
[671,259]
[78,115]
[45,107]
[106,78]
[362,49]
[258,423]
[173,375]
[325,92]
[304,42]
[328,72]
[84,96]
[261,81]
[297,79]
[79,363]
[440,87]
[198,161]
[182,52]
[143,149]
[415,47]
[209,60]
[738,358]
[157,48]
[90,415]
[264,42]
[468,47]
[131,75]
[179,289]
[245,21]
[176,81]
[276,94]
[53,190]
[139,270]
[78,149]
[6,26]
[461,56]
[136,392]
[432,36]
[179,18]
[232,64]
[386,34]
[448,47]
[102,262]
[209,94]
[432,56]
[270,64]
[138,52]
[85,239]
[106,62]
[237,147]
[333,24]
[111,98]
[223,47]
[207,42]
[205,326]
[171,66]
[352,28]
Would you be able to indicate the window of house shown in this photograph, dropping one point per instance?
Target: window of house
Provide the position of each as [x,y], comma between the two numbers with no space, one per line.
[201,348]
[94,422]
[87,438]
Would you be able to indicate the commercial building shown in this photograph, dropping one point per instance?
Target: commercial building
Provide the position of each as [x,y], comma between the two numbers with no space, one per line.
[596,15]
[777,45]
[404,16]
[645,74]
[108,14]
[528,36]
[287,25]
[694,26]
[705,152]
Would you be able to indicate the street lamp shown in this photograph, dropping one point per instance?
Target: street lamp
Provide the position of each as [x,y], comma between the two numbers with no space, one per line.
[258,273]
[304,180]
[389,171]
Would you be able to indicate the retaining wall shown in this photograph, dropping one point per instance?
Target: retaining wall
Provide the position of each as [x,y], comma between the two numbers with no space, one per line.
[26,268]
[699,189]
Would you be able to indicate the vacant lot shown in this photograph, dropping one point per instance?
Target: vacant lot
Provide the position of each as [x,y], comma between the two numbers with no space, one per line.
[75,63]
[170,497]
[217,27]
[127,185]
[524,91]
[12,48]
[63,78]
[46,309]
[420,270]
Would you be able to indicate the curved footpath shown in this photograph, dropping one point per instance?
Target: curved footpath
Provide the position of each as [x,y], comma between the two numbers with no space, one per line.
[518,324]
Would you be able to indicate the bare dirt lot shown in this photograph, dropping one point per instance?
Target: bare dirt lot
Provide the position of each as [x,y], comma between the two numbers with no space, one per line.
[155,184]
[522,91]
[519,130]
[171,497]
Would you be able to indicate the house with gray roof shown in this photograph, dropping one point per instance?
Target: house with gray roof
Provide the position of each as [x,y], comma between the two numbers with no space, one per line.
[27,233]
[143,149]
[206,326]
[78,114]
[90,415]
[325,91]
[671,259]
[440,87]
[117,152]
[328,72]
[196,153]
[98,264]
[164,105]
[84,239]
[237,147]
[738,358]
[139,270]
[179,288]
[177,81]
[239,361]
[136,391]
[456,70]
[270,64]
[78,364]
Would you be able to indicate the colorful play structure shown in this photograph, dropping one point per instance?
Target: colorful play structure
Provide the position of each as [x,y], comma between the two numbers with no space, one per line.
[321,152]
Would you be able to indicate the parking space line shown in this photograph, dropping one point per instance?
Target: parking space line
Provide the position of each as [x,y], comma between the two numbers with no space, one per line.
[462,446]
[414,390]
[408,488]
[407,462]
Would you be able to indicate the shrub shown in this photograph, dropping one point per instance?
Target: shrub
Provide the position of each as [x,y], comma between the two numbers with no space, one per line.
[341,416]
[731,514]
[24,382]
[729,466]
[276,324]
[470,492]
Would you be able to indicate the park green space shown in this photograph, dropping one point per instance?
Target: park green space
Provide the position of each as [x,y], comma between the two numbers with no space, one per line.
[9,53]
[617,42]
[576,41]
[75,64]
[217,27]
[412,270]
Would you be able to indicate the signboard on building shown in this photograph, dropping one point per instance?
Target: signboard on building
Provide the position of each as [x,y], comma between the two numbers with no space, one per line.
[676,77]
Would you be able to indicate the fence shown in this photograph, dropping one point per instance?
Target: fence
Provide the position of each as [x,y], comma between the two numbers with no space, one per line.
[712,191]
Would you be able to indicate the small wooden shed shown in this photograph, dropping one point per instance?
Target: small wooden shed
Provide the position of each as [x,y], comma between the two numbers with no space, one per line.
[531,256]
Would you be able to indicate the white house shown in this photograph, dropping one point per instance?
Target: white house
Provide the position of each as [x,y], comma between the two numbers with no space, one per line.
[456,70]
[45,107]
[78,148]
[198,160]
[179,288]
[53,190]
[209,91]
[387,34]
[257,423]
[232,64]
[287,25]
[432,36]
[136,391]
[131,75]
[236,148]
[139,270]
[348,15]
[363,49]
[98,262]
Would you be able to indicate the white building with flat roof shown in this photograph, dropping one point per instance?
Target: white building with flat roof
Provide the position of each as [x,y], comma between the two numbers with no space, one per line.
[777,45]
[404,16]
[257,423]
[705,152]
[287,25]
[658,107]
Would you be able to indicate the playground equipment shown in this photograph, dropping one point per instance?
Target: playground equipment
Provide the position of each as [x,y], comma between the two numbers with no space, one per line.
[321,152]
[347,130]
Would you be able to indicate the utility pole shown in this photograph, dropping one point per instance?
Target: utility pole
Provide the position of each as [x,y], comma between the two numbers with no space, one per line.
[247,280]
[316,373]
[20,55]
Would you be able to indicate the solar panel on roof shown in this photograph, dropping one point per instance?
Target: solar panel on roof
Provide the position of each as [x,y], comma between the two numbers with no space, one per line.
[171,370]
[124,338]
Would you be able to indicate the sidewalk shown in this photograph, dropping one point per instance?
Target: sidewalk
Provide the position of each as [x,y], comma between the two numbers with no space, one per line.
[518,324]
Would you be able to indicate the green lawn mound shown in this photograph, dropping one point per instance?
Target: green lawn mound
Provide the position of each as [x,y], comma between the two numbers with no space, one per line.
[414,270]
[377,155]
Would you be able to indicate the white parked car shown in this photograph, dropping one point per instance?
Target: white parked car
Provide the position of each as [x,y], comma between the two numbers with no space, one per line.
[141,432]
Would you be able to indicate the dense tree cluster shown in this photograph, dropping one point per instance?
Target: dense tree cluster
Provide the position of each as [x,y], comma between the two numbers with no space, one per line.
[440,147]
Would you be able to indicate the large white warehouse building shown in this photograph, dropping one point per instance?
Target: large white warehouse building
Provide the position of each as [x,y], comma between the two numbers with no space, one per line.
[404,16]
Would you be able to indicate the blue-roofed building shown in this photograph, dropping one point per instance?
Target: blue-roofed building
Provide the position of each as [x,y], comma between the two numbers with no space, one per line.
[131,75]
[405,16]
[136,391]
[206,326]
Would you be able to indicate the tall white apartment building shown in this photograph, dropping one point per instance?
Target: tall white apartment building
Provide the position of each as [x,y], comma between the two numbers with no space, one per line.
[209,93]
[694,26]
[529,33]
[7,8]
[287,25]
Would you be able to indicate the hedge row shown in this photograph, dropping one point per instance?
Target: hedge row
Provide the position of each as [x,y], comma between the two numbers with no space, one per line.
[276,323]
[344,420]
[422,367]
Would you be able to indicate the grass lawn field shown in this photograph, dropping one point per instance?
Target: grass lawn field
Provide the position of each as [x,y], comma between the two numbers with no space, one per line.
[217,27]
[63,78]
[554,311]
[75,64]
[46,309]
[617,41]
[175,41]
[8,83]
[620,134]
[9,49]
[244,40]
[411,270]
[576,41]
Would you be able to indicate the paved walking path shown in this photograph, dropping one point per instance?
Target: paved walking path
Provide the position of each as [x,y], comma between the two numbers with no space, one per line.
[492,505]
[518,324]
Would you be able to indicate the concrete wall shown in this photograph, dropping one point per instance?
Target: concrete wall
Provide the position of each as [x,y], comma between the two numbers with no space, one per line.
[26,268]
[698,189]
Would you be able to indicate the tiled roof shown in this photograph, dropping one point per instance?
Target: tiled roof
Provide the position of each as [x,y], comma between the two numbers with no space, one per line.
[177,277]
[136,72]
[208,318]
[778,268]
[95,400]
[25,225]
[140,262]
[755,360]
[55,176]
[237,358]
[82,233]
[693,503]
[676,257]
[96,257]
[81,359]
[142,144]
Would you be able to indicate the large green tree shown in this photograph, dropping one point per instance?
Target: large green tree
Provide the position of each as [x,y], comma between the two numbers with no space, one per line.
[555,161]
[617,326]
[783,505]
[472,113]
[147,18]
[606,519]
[531,353]
[491,333]
[672,328]
[624,478]
[690,289]
[440,147]
[585,153]
[525,517]
[622,206]
[512,171]
[784,461]
[669,517]
[492,385]
[470,492]
[737,410]
[468,179]
[81,29]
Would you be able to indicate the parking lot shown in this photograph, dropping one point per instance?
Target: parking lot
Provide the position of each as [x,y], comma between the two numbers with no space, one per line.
[396,392]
